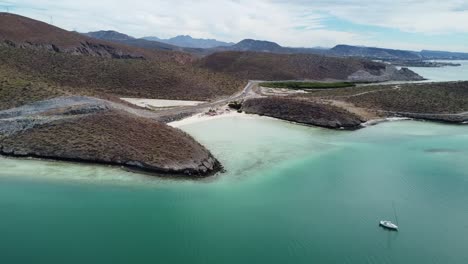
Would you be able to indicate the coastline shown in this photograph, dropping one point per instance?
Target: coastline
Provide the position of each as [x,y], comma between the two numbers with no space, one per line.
[125,175]
[203,117]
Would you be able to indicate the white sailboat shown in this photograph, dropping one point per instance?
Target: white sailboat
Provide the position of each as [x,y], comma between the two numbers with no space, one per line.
[388,225]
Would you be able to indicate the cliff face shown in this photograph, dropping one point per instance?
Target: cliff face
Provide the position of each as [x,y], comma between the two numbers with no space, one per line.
[90,130]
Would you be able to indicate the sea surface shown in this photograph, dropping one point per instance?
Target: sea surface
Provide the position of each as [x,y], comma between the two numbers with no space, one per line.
[444,74]
[290,194]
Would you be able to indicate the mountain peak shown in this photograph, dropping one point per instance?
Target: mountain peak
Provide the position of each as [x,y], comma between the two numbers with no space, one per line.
[109,35]
[257,45]
[188,41]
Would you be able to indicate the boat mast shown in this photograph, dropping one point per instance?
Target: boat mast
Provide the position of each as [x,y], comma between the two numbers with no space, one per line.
[394,212]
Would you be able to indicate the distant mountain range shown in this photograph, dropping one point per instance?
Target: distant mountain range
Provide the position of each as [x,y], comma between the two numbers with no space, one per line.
[431,54]
[345,51]
[114,36]
[189,42]
[393,54]
[209,46]
[375,53]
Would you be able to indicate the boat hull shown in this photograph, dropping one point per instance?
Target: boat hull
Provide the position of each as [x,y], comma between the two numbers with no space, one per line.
[388,226]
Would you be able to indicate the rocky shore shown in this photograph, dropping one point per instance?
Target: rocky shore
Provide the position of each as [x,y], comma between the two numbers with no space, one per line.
[85,129]
[389,73]
[304,112]
[349,108]
[461,118]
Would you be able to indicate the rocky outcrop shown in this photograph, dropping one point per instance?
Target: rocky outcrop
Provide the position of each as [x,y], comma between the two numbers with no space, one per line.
[84,48]
[389,73]
[302,111]
[85,129]
[461,118]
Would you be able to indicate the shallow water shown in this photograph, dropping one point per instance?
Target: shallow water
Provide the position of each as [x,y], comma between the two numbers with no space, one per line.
[291,194]
[444,74]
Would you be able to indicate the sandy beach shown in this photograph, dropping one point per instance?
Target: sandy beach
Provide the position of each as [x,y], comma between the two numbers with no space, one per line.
[202,117]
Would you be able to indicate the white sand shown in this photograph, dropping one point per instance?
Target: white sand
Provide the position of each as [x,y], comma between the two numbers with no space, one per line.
[374,122]
[155,103]
[204,117]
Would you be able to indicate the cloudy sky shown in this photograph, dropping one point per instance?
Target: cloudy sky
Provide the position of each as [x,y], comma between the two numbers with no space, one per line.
[405,24]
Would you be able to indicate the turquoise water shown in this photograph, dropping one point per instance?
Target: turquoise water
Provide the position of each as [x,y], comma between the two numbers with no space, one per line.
[444,74]
[291,194]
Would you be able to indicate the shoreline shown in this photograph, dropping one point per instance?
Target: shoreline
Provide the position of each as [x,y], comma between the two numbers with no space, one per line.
[145,177]
[203,117]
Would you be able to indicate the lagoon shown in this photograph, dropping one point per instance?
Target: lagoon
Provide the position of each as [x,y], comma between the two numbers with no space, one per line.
[291,194]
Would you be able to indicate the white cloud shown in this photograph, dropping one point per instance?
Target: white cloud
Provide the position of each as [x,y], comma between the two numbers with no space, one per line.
[422,16]
[231,20]
[288,22]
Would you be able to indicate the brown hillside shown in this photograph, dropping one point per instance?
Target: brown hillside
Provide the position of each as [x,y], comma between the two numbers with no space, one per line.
[27,75]
[269,66]
[22,29]
[19,31]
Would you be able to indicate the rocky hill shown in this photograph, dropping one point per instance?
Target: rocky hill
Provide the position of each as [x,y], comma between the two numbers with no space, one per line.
[267,47]
[110,35]
[22,32]
[27,75]
[84,129]
[256,45]
[269,66]
[40,62]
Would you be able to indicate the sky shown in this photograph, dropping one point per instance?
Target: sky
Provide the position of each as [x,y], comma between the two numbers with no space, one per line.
[401,24]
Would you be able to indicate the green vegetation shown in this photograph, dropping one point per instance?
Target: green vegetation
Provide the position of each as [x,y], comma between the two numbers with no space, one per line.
[308,85]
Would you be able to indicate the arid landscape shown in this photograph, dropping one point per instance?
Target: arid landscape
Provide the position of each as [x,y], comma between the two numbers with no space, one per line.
[41,62]
[229,132]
